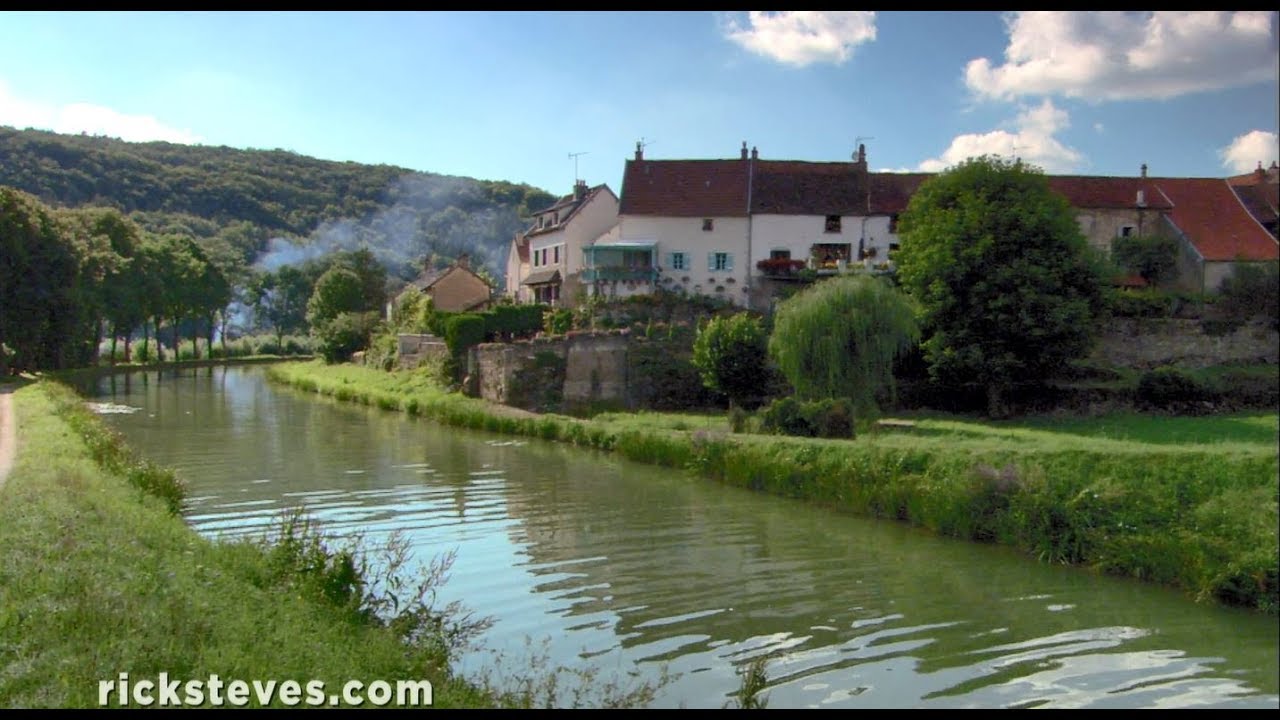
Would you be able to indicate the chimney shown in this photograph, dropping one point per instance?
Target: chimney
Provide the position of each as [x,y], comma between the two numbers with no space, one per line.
[744,149]
[755,153]
[639,151]
[862,154]
[1260,174]
[1144,169]
[579,189]
[463,261]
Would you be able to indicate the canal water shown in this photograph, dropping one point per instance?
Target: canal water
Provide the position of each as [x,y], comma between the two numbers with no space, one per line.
[594,564]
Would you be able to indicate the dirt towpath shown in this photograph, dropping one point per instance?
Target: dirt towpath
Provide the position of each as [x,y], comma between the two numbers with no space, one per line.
[8,433]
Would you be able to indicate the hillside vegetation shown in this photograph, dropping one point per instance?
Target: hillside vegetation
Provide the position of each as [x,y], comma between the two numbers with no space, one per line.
[249,197]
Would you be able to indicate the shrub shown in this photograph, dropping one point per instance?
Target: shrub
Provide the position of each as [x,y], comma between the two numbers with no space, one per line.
[338,339]
[462,332]
[1166,388]
[827,418]
[558,321]
[1252,291]
[506,322]
[1144,303]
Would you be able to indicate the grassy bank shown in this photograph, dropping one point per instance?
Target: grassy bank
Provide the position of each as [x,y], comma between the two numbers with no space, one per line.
[1186,502]
[99,576]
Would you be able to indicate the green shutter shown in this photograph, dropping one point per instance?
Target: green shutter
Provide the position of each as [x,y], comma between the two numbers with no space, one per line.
[728,261]
[711,261]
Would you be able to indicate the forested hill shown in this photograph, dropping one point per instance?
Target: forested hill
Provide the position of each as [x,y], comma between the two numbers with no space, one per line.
[249,197]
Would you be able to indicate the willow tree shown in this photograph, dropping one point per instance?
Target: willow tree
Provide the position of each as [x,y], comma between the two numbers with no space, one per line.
[839,337]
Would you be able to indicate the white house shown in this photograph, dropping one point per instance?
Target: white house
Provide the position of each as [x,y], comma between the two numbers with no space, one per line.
[683,225]
[734,228]
[741,229]
[544,262]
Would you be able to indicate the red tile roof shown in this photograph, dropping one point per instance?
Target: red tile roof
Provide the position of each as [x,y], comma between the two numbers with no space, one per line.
[808,188]
[1215,221]
[890,192]
[685,188]
[1114,193]
[1206,210]
[564,202]
[1261,201]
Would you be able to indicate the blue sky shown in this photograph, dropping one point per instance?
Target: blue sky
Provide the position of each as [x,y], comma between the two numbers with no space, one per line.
[509,96]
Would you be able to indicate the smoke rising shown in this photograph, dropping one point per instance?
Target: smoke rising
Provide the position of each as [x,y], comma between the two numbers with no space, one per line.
[424,216]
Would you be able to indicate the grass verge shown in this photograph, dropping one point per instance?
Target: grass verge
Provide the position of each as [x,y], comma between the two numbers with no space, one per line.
[1185,502]
[99,576]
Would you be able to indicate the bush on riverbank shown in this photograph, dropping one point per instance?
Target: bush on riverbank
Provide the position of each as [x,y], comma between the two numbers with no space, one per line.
[1191,507]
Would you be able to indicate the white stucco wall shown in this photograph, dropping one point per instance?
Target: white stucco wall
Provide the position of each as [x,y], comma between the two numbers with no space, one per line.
[600,214]
[516,272]
[672,234]
[798,233]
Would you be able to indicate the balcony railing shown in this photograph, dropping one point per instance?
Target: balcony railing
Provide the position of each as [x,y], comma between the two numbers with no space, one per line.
[615,272]
[780,267]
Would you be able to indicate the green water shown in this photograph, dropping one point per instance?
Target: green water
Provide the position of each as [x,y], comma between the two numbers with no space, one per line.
[628,569]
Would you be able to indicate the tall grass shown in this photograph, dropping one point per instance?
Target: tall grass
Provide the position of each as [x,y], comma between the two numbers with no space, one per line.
[96,580]
[1199,513]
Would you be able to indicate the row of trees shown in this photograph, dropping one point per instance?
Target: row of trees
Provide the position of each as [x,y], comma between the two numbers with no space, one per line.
[995,282]
[69,277]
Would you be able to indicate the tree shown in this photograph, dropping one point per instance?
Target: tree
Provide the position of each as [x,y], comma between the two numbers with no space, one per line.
[40,275]
[1006,284]
[1154,258]
[373,277]
[337,291]
[280,298]
[112,242]
[838,338]
[730,355]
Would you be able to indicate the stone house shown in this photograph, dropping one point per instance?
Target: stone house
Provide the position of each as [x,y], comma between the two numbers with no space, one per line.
[455,288]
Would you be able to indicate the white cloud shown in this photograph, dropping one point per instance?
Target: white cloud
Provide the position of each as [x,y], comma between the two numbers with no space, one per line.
[1246,151]
[1128,55]
[803,37]
[87,118]
[1033,140]
[1098,128]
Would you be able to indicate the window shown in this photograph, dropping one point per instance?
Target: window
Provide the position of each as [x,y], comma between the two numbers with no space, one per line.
[557,255]
[833,223]
[708,224]
[1128,231]
[779,254]
[678,261]
[720,261]
[893,223]
[893,246]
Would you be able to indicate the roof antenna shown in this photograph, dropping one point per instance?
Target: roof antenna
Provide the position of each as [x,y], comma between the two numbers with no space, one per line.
[857,142]
[644,144]
[574,158]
